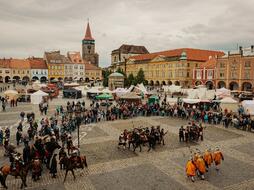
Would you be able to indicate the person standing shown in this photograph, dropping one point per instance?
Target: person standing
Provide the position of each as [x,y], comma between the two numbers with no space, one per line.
[18,136]
[191,169]
[217,157]
[181,134]
[53,166]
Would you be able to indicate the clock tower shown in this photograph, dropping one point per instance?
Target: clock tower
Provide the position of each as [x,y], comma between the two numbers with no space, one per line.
[88,48]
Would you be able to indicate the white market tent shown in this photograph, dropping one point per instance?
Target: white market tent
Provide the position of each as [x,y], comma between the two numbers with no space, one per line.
[37,97]
[248,106]
[222,92]
[171,101]
[173,88]
[229,103]
[120,91]
[107,91]
[191,101]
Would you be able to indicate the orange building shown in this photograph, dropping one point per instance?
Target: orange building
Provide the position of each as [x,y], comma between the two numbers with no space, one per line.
[236,70]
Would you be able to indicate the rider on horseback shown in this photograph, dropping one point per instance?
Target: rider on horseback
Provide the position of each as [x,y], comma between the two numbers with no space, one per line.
[75,157]
[15,159]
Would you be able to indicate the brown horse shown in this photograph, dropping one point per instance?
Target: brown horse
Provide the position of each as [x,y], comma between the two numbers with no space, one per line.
[21,171]
[36,167]
[73,163]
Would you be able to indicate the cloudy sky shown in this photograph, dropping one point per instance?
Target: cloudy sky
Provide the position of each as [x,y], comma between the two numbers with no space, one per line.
[30,27]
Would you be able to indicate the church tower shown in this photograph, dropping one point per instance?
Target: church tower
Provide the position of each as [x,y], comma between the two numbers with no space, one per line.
[88,48]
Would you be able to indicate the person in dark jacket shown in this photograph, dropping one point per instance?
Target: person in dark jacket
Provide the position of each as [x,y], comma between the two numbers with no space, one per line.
[26,153]
[53,166]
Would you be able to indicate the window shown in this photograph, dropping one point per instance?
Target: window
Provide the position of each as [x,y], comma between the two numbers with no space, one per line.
[0,71]
[27,72]
[209,74]
[233,74]
[36,72]
[188,74]
[222,65]
[13,71]
[188,64]
[247,64]
[198,76]
[234,64]
[222,74]
[247,74]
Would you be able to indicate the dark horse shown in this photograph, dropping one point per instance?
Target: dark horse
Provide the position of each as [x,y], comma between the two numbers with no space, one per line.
[72,163]
[36,167]
[21,171]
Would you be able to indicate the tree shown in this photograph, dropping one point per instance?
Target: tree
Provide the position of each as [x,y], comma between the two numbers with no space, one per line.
[140,78]
[130,80]
[105,74]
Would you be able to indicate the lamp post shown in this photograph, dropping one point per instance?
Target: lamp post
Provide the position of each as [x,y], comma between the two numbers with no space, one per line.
[78,119]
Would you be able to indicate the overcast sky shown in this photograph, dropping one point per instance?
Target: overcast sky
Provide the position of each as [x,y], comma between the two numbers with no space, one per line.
[30,27]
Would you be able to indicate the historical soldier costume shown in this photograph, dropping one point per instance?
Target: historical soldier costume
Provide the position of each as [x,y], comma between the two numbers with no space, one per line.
[200,164]
[208,158]
[122,141]
[191,169]
[217,157]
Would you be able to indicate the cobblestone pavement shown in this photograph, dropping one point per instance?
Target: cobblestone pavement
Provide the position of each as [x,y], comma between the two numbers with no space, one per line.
[162,168]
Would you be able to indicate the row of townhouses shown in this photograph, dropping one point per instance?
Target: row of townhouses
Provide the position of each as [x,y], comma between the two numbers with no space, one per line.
[55,65]
[189,67]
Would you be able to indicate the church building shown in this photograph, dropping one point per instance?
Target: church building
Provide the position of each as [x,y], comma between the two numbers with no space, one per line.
[88,48]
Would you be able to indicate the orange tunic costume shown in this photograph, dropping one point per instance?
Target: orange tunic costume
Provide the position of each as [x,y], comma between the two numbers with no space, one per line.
[190,168]
[208,158]
[201,165]
[217,157]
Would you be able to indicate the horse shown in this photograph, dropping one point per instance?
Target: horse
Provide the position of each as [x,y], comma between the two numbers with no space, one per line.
[36,167]
[21,171]
[71,163]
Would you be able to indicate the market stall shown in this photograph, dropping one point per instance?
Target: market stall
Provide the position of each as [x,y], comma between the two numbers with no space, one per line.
[38,96]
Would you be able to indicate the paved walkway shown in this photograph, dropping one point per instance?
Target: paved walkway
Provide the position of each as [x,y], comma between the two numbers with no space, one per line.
[163,168]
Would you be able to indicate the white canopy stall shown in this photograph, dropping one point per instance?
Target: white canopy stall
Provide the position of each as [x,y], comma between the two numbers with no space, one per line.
[229,103]
[248,106]
[38,96]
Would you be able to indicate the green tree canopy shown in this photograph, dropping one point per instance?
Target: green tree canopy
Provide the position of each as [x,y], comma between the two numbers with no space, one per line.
[140,78]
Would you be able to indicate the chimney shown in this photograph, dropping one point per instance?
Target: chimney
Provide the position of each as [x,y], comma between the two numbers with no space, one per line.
[241,50]
[252,48]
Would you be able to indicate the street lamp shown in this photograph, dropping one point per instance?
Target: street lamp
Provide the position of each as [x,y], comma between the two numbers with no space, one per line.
[78,118]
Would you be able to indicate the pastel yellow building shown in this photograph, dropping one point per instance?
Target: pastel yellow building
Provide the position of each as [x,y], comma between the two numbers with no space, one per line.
[55,62]
[169,67]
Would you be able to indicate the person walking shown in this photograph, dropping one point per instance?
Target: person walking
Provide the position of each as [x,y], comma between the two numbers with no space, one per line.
[53,166]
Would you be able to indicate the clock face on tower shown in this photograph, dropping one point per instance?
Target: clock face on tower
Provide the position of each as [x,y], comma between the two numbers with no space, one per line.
[89,47]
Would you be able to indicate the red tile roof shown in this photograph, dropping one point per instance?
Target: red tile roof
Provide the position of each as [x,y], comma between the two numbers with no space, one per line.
[210,64]
[88,35]
[89,66]
[19,64]
[37,63]
[5,63]
[75,57]
[192,54]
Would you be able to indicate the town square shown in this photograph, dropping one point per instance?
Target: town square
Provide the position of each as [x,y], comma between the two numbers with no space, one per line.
[126,95]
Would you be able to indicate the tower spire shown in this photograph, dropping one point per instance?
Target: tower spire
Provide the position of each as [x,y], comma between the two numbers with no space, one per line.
[88,35]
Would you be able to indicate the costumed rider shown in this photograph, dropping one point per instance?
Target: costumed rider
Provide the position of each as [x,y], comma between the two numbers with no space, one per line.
[122,141]
[75,157]
[15,159]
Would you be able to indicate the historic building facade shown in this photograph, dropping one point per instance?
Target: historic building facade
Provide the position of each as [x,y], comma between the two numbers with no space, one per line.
[205,74]
[236,70]
[120,56]
[75,68]
[55,62]
[169,67]
[88,48]
[39,69]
